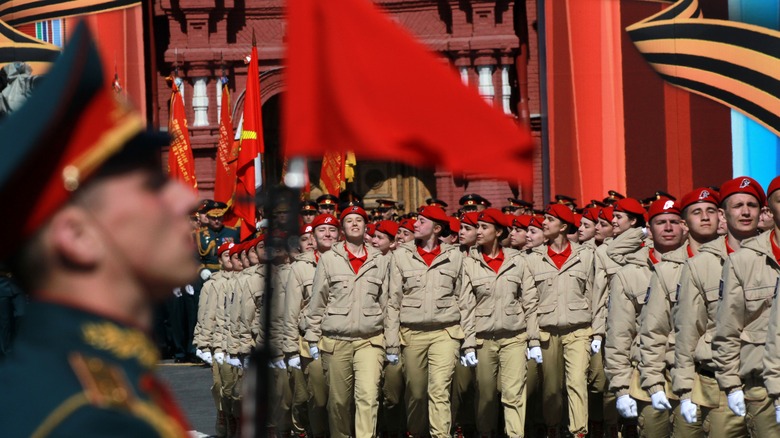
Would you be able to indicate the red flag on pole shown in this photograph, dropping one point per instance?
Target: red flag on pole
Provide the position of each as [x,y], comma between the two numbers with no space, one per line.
[181,164]
[250,146]
[332,173]
[227,154]
[399,103]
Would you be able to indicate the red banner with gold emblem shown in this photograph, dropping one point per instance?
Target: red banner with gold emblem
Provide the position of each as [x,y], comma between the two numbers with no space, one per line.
[227,153]
[181,165]
[332,173]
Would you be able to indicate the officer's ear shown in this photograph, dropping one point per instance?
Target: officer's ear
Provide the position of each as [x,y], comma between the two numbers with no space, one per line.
[74,239]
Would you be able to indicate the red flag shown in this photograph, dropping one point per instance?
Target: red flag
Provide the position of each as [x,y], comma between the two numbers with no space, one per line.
[181,164]
[332,173]
[227,154]
[400,103]
[251,145]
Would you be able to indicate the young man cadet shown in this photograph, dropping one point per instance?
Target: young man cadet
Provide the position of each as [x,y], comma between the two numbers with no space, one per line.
[563,274]
[656,332]
[694,377]
[771,359]
[426,315]
[98,235]
[628,295]
[751,277]
[346,319]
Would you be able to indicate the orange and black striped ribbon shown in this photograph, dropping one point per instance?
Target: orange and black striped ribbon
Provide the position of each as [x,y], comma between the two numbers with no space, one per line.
[17,46]
[733,63]
[18,12]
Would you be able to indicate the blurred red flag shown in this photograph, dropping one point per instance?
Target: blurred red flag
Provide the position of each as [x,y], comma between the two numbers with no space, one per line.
[251,145]
[227,153]
[358,81]
[332,172]
[181,164]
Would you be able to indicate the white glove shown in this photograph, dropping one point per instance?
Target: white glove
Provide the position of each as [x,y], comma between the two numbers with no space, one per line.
[234,361]
[737,403]
[777,414]
[189,289]
[688,410]
[595,346]
[392,359]
[199,353]
[314,351]
[205,274]
[660,401]
[626,406]
[280,364]
[177,292]
[535,353]
[294,362]
[246,362]
[469,359]
[219,357]
[207,357]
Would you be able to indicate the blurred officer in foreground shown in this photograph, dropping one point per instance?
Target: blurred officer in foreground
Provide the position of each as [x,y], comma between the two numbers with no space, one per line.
[99,235]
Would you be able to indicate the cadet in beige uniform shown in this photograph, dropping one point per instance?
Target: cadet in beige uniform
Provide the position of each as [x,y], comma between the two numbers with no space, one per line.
[505,324]
[346,317]
[694,377]
[535,426]
[297,297]
[771,359]
[657,337]
[628,294]
[563,273]
[426,314]
[751,277]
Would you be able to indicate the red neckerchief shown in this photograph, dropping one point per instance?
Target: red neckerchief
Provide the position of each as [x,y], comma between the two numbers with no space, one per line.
[775,248]
[690,251]
[496,262]
[355,261]
[651,254]
[429,256]
[559,258]
[728,248]
[316,257]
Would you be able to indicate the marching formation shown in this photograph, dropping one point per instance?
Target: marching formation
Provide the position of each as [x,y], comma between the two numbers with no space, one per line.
[624,318]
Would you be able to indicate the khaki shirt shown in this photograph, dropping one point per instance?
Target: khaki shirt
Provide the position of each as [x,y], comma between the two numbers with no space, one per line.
[565,295]
[505,301]
[627,297]
[656,334]
[695,319]
[297,295]
[238,338]
[425,297]
[346,305]
[750,283]
[280,275]
[207,307]
[221,326]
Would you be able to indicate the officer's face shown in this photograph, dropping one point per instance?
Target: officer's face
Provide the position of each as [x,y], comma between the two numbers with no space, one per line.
[354,227]
[327,208]
[325,236]
[467,235]
[741,212]
[702,219]
[586,231]
[215,222]
[308,217]
[667,231]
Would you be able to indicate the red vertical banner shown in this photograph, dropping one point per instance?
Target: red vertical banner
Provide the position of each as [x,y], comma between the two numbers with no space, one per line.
[250,146]
[181,164]
[227,153]
[332,173]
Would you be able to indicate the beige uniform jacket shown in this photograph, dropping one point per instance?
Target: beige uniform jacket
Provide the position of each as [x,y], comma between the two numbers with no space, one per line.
[207,307]
[565,295]
[297,295]
[280,275]
[238,337]
[346,305]
[425,297]
[604,269]
[656,333]
[750,281]
[505,302]
[771,359]
[695,319]
[628,294]
[221,326]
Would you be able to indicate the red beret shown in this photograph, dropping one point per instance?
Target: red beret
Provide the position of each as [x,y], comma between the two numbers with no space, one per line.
[370,229]
[774,185]
[324,219]
[591,214]
[577,220]
[606,214]
[353,210]
[492,216]
[257,240]
[454,225]
[630,205]
[235,249]
[470,218]
[435,214]
[408,224]
[522,221]
[224,247]
[663,205]
[743,184]
[537,221]
[306,229]
[388,227]
[699,195]
[561,212]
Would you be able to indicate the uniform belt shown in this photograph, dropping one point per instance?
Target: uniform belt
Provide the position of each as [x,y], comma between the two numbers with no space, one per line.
[754,379]
[706,372]
[498,335]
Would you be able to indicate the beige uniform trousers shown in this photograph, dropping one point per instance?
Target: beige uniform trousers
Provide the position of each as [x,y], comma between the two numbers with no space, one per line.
[601,402]
[393,414]
[280,399]
[506,354]
[760,416]
[299,410]
[429,360]
[565,360]
[353,370]
[230,377]
[317,391]
[462,397]
[216,393]
[718,421]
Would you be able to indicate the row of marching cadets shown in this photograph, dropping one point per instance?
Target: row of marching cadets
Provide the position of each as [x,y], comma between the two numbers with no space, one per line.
[624,318]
